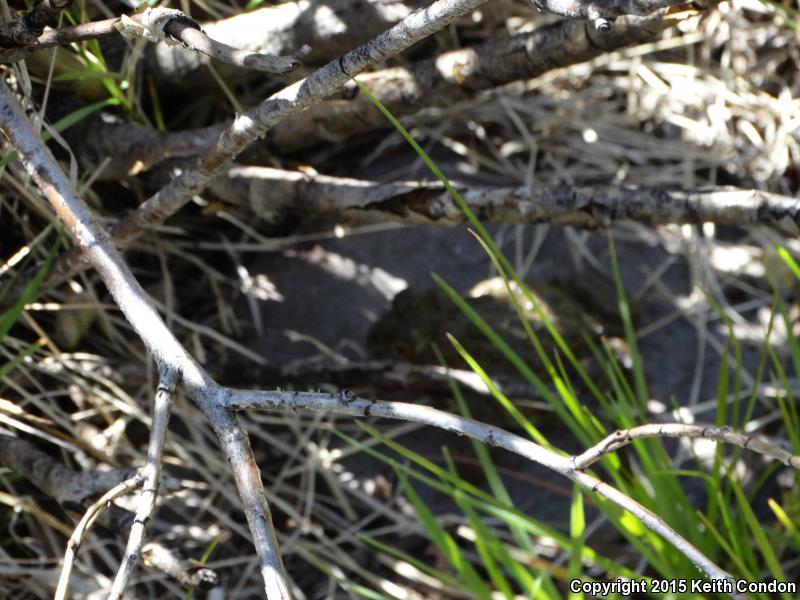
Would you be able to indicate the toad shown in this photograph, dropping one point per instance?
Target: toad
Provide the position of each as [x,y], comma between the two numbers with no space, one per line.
[420,317]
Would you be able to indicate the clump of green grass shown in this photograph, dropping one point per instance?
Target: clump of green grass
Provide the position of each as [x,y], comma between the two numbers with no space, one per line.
[10,316]
[495,554]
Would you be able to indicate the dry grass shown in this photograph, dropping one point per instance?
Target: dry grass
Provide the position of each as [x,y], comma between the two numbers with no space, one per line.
[720,104]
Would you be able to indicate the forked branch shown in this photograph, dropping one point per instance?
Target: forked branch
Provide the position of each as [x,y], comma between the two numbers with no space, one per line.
[131,298]
[219,404]
[623,437]
[83,527]
[24,30]
[26,34]
[266,190]
[162,408]
[167,351]
[572,467]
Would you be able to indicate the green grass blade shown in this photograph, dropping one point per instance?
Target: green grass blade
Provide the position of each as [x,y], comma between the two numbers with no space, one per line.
[484,459]
[445,542]
[787,258]
[483,501]
[733,555]
[577,529]
[760,537]
[787,403]
[414,562]
[785,520]
[486,542]
[12,364]
[9,317]
[66,122]
[514,359]
[529,428]
[542,316]
[630,332]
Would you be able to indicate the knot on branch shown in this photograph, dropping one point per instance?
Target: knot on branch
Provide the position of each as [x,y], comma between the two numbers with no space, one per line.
[24,30]
[153,25]
[602,14]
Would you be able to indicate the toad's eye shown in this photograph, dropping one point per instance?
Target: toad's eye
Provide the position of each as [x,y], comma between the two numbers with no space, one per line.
[402,348]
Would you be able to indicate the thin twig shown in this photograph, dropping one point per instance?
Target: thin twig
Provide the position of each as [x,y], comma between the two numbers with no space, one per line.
[74,34]
[85,525]
[155,24]
[52,477]
[254,123]
[443,80]
[24,30]
[623,437]
[267,190]
[600,13]
[137,308]
[219,404]
[194,38]
[346,403]
[162,408]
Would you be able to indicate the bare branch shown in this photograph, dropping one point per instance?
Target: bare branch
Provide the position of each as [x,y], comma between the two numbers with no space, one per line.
[24,30]
[236,446]
[151,474]
[443,80]
[135,305]
[194,38]
[459,75]
[268,190]
[83,527]
[254,123]
[600,13]
[52,477]
[280,30]
[623,437]
[346,403]
[73,34]
[154,24]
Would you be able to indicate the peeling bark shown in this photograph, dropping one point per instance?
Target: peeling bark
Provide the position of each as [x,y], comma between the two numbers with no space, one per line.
[268,191]
[456,76]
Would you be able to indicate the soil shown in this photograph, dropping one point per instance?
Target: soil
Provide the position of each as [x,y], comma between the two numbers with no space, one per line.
[332,291]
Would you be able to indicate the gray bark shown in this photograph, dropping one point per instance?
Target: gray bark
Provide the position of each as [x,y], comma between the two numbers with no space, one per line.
[268,191]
